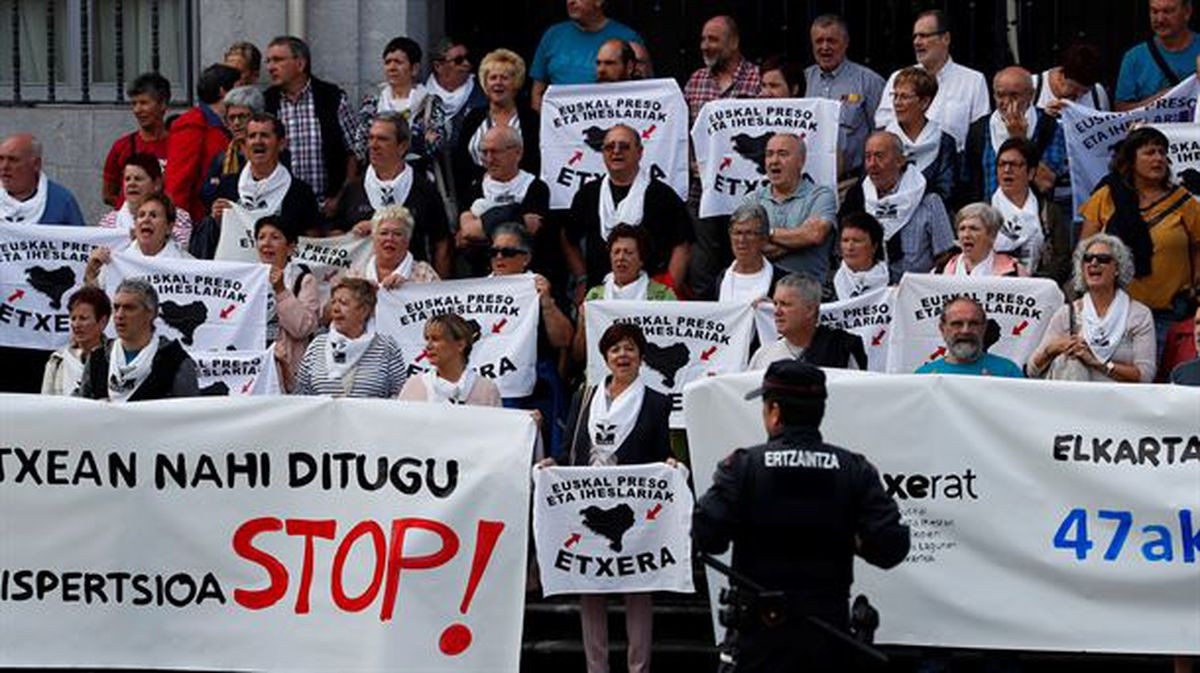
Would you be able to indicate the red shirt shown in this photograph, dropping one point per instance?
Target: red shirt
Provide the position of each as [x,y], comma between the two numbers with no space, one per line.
[196,137]
[123,148]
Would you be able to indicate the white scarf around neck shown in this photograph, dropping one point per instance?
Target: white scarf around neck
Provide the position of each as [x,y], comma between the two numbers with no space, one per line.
[71,372]
[124,379]
[125,217]
[609,425]
[896,209]
[439,390]
[631,209]
[849,283]
[30,210]
[1000,130]
[634,291]
[1021,233]
[382,193]
[263,197]
[497,193]
[922,150]
[389,103]
[169,251]
[452,101]
[981,270]
[343,353]
[746,287]
[404,269]
[1103,335]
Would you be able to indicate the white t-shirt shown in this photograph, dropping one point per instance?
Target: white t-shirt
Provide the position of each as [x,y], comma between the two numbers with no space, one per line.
[1095,98]
[962,98]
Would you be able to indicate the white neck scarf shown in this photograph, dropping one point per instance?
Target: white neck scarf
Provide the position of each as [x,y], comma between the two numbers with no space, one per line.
[633,291]
[452,101]
[631,208]
[123,378]
[392,192]
[169,251]
[439,390]
[1021,233]
[896,209]
[610,425]
[1103,335]
[72,370]
[263,197]
[497,193]
[849,283]
[746,287]
[922,150]
[475,146]
[343,353]
[28,211]
[389,103]
[981,270]
[1000,129]
[125,217]
[404,269]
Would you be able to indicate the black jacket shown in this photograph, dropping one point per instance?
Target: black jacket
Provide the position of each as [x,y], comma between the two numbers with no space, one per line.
[298,211]
[467,173]
[429,217]
[971,176]
[172,374]
[648,442]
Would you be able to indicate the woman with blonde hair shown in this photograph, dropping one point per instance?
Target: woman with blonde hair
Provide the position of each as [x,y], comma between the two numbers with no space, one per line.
[448,341]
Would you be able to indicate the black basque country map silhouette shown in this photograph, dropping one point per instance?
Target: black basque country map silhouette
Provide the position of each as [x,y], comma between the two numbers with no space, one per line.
[612,523]
[184,317]
[52,283]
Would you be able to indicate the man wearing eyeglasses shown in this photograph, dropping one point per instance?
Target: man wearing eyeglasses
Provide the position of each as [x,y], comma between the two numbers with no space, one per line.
[963,325]
[627,194]
[962,95]
[452,81]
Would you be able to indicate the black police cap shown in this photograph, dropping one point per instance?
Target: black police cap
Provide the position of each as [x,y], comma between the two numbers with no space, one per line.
[791,379]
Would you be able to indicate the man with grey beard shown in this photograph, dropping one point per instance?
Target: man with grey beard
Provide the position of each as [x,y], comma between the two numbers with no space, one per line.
[963,325]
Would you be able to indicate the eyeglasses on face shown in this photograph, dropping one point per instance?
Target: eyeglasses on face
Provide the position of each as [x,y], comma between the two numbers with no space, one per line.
[1097,257]
[609,148]
[457,60]
[505,251]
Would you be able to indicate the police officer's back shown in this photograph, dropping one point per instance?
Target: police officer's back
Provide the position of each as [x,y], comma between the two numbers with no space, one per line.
[797,510]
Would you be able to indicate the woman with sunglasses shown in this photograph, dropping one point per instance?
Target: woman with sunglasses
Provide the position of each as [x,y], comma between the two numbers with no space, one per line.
[1104,335]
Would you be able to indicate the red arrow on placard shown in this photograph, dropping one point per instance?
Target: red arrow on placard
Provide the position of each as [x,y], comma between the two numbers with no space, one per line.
[16,295]
[649,132]
[228,311]
[575,537]
[575,158]
[938,353]
[878,338]
[725,163]
[424,354]
[499,325]
[652,513]
[708,353]
[246,388]
[1020,328]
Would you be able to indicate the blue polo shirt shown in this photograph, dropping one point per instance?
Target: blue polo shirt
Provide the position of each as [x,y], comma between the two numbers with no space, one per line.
[567,53]
[1140,75]
[988,365]
[790,212]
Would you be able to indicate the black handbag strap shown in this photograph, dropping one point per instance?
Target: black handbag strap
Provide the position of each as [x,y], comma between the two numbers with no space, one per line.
[1156,54]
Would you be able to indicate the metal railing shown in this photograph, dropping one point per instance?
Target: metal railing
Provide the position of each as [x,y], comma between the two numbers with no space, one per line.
[79,85]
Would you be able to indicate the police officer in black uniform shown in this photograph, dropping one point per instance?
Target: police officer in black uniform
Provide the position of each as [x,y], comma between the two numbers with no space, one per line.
[797,511]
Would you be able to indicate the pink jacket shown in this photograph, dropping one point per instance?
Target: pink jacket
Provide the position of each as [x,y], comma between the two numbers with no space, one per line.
[483,394]
[1002,265]
[297,321]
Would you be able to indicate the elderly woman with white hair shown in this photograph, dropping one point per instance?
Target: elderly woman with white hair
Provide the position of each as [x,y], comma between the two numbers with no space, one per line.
[391,263]
[751,277]
[1104,335]
[978,225]
[241,103]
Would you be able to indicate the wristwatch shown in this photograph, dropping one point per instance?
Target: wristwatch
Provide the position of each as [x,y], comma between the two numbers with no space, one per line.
[1108,368]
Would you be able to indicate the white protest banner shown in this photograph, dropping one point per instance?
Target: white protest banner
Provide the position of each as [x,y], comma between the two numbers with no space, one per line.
[236,373]
[269,534]
[613,529]
[1184,154]
[41,266]
[764,322]
[685,341]
[1092,136]
[1020,307]
[506,309]
[207,305]
[1042,512]
[869,316]
[730,138]
[575,118]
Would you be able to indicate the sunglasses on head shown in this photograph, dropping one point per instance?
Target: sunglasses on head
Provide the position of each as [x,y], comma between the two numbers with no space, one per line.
[1097,257]
[505,252]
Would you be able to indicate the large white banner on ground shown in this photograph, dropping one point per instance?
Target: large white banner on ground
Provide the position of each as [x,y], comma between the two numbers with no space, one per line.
[207,305]
[505,308]
[236,373]
[270,534]
[1020,307]
[1184,154]
[1092,135]
[1045,515]
[869,316]
[41,266]
[613,529]
[685,341]
[575,118]
[730,138]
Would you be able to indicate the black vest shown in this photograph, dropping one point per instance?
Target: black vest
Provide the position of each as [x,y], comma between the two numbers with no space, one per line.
[834,348]
[334,152]
[157,385]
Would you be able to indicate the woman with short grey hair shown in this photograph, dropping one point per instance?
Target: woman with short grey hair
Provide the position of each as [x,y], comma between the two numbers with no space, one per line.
[241,103]
[751,278]
[978,225]
[391,263]
[1104,335]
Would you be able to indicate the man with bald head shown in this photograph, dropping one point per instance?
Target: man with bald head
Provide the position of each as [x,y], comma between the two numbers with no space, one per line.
[628,194]
[916,228]
[1015,116]
[566,53]
[28,196]
[801,214]
[615,61]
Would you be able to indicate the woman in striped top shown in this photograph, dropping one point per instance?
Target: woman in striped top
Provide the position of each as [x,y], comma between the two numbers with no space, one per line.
[350,361]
